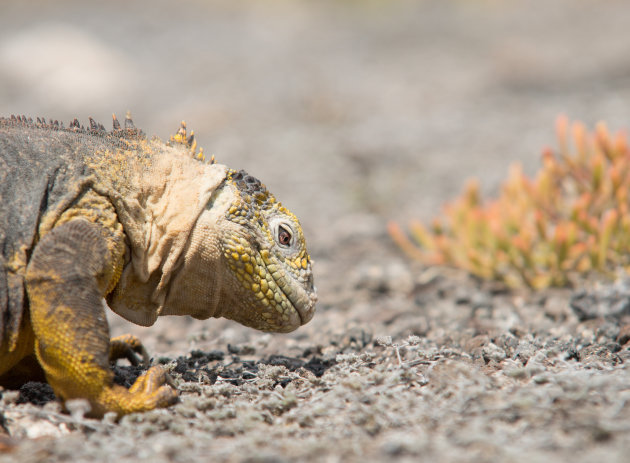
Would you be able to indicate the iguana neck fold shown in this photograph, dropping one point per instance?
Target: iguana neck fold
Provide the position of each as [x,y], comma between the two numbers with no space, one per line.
[158,214]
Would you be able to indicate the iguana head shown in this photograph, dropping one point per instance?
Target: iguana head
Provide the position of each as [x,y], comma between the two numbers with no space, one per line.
[262,245]
[208,241]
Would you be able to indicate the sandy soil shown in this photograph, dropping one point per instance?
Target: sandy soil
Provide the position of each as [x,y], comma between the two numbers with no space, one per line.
[352,113]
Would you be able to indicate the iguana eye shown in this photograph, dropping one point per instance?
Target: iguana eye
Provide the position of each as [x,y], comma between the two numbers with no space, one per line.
[284,236]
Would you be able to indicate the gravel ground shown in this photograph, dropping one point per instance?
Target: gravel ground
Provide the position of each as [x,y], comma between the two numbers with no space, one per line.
[353,113]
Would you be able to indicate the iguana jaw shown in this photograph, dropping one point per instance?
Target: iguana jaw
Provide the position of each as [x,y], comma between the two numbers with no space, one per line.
[303,301]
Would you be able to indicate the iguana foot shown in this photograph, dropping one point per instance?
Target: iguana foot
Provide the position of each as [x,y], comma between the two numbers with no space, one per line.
[128,347]
[151,380]
[148,392]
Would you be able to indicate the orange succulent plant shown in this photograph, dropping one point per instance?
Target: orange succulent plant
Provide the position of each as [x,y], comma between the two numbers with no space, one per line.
[571,218]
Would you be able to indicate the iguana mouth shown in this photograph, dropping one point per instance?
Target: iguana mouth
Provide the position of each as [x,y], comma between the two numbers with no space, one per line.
[302,300]
[297,289]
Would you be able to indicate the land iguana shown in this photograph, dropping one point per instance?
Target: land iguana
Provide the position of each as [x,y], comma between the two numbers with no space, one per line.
[91,218]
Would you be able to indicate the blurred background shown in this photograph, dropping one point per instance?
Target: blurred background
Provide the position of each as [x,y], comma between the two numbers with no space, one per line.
[352,112]
[345,109]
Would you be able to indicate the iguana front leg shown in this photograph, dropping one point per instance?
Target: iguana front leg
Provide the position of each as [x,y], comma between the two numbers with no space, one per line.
[67,276]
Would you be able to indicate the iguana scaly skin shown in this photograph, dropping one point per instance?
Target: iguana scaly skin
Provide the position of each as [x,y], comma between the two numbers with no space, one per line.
[90,218]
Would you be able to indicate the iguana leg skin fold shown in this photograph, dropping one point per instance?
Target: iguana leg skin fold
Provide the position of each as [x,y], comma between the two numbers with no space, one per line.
[66,281]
